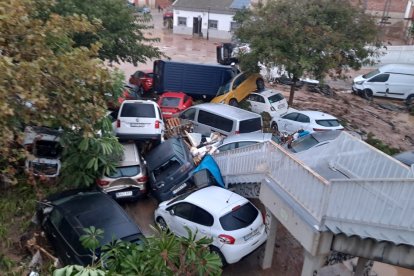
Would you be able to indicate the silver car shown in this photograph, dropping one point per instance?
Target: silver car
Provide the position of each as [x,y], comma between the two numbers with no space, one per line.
[245,139]
[129,181]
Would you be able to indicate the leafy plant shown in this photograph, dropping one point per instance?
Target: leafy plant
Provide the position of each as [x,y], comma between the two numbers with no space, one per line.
[380,145]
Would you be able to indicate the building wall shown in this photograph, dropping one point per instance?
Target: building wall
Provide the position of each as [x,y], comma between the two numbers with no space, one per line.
[223,26]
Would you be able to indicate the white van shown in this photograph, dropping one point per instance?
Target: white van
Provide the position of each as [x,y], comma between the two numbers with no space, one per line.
[225,119]
[391,81]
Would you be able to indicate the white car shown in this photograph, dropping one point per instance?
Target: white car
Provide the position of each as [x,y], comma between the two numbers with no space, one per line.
[235,225]
[244,139]
[139,120]
[305,119]
[270,101]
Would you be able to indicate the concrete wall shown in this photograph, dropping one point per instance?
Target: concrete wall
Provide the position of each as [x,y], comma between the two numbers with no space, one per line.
[223,27]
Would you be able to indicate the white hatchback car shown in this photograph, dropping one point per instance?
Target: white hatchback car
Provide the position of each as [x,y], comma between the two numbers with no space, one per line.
[270,101]
[305,119]
[139,120]
[235,225]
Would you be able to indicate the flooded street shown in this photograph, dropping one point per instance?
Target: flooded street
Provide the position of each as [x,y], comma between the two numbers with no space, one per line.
[393,127]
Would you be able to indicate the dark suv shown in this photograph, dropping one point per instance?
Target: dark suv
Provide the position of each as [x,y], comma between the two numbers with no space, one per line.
[63,217]
[170,166]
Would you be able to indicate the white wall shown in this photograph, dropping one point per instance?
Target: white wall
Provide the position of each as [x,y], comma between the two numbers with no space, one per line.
[223,27]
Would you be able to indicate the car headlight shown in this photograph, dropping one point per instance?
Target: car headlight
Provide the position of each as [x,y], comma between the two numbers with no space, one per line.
[359,82]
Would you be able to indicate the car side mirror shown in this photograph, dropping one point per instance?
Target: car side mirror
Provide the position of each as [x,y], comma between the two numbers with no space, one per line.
[171,211]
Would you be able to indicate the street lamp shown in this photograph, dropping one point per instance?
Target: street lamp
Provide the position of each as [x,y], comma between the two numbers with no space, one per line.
[208,20]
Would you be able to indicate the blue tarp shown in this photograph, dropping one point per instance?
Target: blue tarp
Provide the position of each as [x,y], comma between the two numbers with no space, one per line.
[209,164]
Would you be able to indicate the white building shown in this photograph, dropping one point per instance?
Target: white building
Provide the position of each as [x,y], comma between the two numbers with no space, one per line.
[206,18]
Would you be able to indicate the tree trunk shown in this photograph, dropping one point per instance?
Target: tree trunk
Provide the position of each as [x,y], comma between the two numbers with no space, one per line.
[292,93]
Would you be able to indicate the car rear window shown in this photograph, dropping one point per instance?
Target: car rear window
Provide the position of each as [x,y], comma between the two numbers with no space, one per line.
[126,171]
[170,102]
[250,125]
[138,110]
[48,149]
[328,123]
[239,218]
[275,98]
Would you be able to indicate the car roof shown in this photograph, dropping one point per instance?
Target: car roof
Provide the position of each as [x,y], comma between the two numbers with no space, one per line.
[227,111]
[165,151]
[317,115]
[268,92]
[215,199]
[139,101]
[173,94]
[130,155]
[85,209]
[254,136]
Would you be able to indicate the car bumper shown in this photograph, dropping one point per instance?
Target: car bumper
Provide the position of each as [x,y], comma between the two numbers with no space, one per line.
[131,193]
[356,90]
[235,252]
[139,137]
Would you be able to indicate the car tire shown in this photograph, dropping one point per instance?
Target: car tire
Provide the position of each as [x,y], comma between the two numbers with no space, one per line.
[367,94]
[274,127]
[260,84]
[233,102]
[162,224]
[410,101]
[214,249]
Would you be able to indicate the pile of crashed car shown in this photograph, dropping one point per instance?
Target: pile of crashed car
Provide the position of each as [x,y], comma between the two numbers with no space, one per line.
[178,170]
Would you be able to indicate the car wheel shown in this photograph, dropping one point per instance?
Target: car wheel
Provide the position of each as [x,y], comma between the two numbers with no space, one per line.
[162,224]
[275,128]
[410,101]
[233,102]
[214,249]
[367,94]
[260,84]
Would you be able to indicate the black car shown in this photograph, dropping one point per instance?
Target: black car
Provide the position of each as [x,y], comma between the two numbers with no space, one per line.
[170,167]
[64,216]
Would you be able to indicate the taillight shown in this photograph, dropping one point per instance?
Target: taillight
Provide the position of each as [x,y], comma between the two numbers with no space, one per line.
[263,216]
[118,123]
[237,132]
[157,124]
[102,183]
[142,179]
[227,239]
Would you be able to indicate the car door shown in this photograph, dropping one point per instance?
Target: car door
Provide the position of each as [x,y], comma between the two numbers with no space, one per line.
[302,122]
[252,99]
[287,122]
[180,216]
[261,105]
[201,223]
[379,84]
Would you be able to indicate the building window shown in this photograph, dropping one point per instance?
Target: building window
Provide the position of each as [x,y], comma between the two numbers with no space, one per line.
[212,24]
[233,26]
[182,21]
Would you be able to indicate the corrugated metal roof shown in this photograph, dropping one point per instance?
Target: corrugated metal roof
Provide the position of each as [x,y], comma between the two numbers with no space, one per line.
[240,4]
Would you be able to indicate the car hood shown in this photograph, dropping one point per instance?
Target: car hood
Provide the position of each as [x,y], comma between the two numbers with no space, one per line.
[359,78]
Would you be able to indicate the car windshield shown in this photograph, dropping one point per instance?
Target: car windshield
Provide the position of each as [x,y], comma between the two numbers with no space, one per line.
[166,169]
[303,144]
[370,74]
[224,89]
[275,98]
[126,171]
[47,149]
[240,217]
[170,102]
[138,110]
[328,123]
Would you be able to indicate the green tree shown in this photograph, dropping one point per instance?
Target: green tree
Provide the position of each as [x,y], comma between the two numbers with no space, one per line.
[315,37]
[46,80]
[162,254]
[124,35]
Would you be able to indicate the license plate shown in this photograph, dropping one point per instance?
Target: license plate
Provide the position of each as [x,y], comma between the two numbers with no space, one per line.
[123,194]
[182,186]
[252,234]
[281,106]
[167,113]
[137,125]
